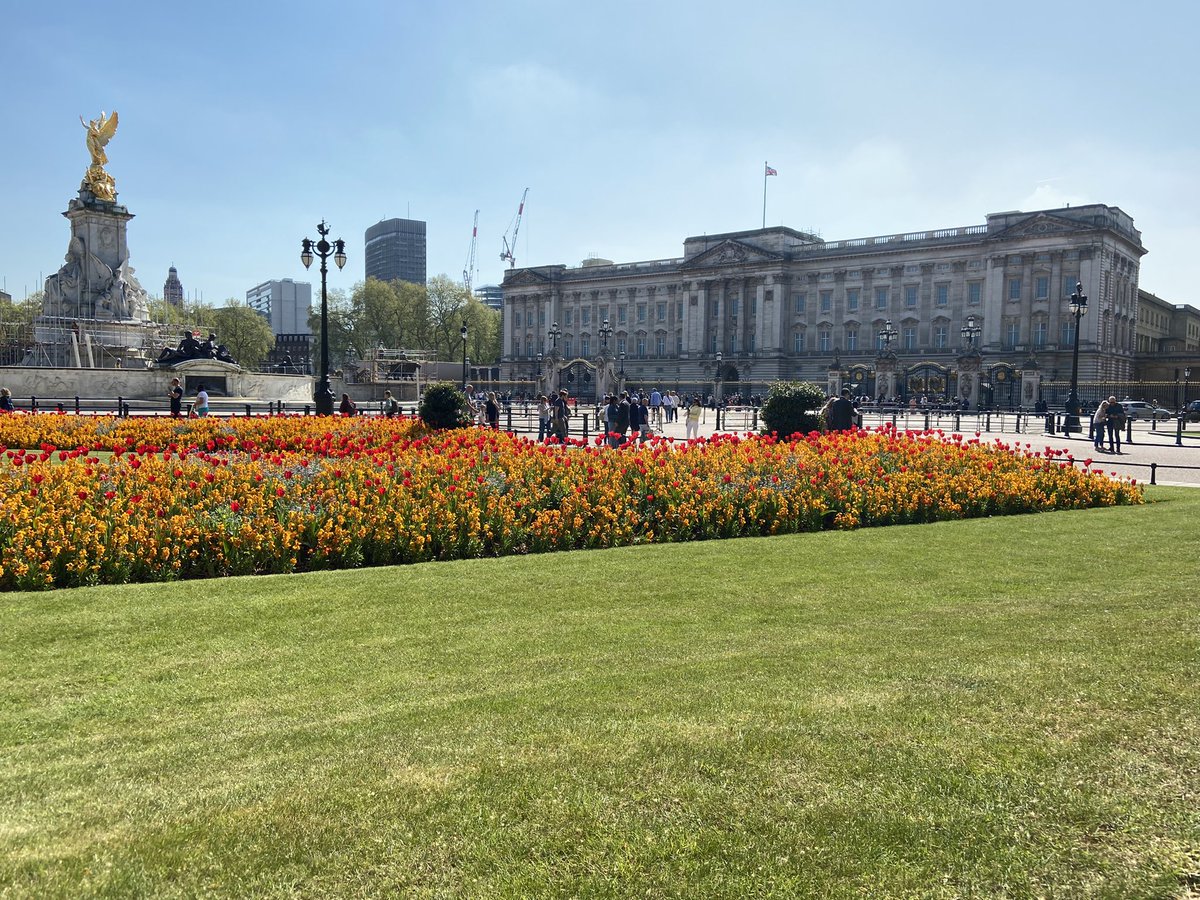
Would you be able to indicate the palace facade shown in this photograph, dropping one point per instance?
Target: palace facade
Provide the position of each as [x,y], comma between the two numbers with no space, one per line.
[892,314]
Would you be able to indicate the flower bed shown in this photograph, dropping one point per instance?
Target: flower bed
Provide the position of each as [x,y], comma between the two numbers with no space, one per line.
[112,501]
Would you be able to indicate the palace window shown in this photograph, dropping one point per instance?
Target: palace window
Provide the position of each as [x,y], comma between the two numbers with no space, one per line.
[712,343]
[940,335]
[799,302]
[852,300]
[661,311]
[734,305]
[1040,330]
[1043,287]
[620,345]
[753,344]
[826,301]
[621,317]
[1012,334]
[660,346]
[909,337]
[942,295]
[517,319]
[585,316]
[584,347]
[881,298]
[542,318]
[852,339]
[568,348]
[1069,282]
[568,317]
[641,313]
[910,296]
[641,348]
[1014,289]
[798,342]
[716,308]
[824,340]
[974,292]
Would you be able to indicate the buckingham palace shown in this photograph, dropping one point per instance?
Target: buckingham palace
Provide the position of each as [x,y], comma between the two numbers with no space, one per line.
[979,312]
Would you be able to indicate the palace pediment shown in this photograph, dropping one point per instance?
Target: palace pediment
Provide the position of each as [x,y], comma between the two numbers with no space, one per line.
[1039,225]
[730,253]
[526,278]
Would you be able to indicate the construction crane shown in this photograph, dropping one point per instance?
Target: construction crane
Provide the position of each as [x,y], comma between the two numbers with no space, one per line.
[469,268]
[507,253]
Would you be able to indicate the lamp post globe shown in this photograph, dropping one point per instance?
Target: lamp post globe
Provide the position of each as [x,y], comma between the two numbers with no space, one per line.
[323,249]
[1073,406]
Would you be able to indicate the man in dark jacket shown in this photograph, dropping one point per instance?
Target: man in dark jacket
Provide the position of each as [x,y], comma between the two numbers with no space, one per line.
[842,414]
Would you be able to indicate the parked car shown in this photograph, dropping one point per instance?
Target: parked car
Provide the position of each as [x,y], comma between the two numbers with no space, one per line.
[1191,412]
[1136,411]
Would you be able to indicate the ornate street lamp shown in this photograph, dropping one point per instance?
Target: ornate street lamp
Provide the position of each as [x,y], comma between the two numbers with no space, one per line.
[887,334]
[555,334]
[323,393]
[1077,308]
[1187,377]
[463,333]
[621,373]
[605,333]
[717,379]
[970,331]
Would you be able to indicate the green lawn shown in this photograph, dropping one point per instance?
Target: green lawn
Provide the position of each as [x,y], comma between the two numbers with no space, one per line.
[994,708]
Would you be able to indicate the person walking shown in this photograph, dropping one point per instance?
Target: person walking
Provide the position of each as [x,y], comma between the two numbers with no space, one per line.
[622,421]
[347,407]
[611,413]
[175,394]
[694,411]
[560,416]
[543,417]
[201,401]
[390,407]
[6,404]
[842,414]
[636,420]
[492,411]
[1116,421]
[1099,423]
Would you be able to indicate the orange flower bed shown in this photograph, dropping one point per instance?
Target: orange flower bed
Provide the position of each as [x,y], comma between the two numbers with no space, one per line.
[111,501]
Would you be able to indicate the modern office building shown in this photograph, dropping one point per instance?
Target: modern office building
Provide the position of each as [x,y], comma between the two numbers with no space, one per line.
[395,251]
[892,314]
[490,295]
[286,305]
[173,287]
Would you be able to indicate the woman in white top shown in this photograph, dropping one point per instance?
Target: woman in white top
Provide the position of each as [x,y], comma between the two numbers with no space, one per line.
[1099,421]
[201,401]
[694,411]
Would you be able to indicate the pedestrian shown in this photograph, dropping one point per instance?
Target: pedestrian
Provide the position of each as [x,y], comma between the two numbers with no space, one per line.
[694,411]
[472,407]
[1116,421]
[611,414]
[636,423]
[656,403]
[6,404]
[842,415]
[390,407]
[1099,423]
[347,407]
[492,411]
[621,424]
[543,417]
[201,401]
[175,393]
[560,416]
[823,413]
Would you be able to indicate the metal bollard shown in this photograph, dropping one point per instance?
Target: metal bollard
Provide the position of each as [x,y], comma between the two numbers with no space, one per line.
[1153,473]
[987,421]
[76,404]
[247,410]
[1179,431]
[1128,430]
[926,421]
[120,404]
[306,408]
[33,404]
[508,427]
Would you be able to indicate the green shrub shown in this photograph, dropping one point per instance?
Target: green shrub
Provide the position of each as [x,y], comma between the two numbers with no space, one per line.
[792,407]
[444,406]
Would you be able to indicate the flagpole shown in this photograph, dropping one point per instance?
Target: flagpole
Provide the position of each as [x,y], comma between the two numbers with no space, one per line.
[764,224]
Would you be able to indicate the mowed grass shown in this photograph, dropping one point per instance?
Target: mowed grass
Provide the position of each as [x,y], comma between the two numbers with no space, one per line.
[993,708]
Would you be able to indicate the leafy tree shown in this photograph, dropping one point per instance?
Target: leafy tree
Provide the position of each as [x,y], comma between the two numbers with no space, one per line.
[792,407]
[444,406]
[245,333]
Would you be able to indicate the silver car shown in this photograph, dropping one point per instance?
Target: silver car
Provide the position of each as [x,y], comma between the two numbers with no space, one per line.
[1135,410]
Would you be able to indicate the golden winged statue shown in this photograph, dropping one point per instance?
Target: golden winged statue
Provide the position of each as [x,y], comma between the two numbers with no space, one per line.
[99,133]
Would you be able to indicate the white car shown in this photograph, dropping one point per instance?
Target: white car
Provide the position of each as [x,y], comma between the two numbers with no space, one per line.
[1136,411]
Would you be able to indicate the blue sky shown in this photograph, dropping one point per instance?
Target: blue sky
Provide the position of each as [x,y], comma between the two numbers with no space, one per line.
[634,125]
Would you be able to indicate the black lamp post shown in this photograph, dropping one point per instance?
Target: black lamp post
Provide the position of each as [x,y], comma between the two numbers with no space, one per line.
[717,379]
[323,393]
[970,331]
[605,333]
[555,334]
[463,333]
[621,373]
[1077,308]
[1187,377]
[887,334]
[539,365]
